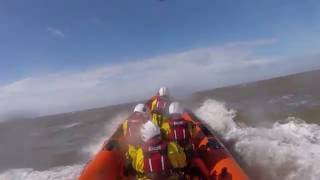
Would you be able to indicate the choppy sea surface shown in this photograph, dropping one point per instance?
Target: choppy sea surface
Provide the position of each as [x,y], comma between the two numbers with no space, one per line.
[286,149]
[271,127]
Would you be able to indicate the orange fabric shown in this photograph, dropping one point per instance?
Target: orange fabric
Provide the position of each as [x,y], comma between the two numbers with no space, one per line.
[197,162]
[105,165]
[203,142]
[232,170]
[217,160]
[187,117]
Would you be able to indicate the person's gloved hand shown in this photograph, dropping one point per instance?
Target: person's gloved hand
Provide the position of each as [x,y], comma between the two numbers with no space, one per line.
[128,169]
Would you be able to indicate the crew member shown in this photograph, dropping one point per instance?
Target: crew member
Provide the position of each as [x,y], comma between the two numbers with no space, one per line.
[131,126]
[158,106]
[157,158]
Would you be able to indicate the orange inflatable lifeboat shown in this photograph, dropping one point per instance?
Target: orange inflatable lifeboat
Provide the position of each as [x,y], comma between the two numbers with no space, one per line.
[214,160]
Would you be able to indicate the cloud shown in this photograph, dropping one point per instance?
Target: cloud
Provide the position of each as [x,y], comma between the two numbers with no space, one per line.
[56,32]
[259,42]
[183,72]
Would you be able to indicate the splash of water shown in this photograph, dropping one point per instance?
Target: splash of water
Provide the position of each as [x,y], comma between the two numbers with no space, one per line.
[109,129]
[289,150]
[56,173]
[66,172]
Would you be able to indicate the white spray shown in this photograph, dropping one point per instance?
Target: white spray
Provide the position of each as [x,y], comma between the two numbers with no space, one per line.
[286,151]
[100,138]
[66,172]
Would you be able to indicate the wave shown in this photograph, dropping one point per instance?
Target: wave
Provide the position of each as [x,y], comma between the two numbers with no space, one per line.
[66,172]
[56,173]
[109,128]
[288,150]
[71,125]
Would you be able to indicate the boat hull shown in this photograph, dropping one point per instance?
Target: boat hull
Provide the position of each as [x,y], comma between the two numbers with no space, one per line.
[216,161]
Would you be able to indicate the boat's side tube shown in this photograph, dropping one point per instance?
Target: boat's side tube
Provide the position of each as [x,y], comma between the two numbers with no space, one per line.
[218,160]
[107,164]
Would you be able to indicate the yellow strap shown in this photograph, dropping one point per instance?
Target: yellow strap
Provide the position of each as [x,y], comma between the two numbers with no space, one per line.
[176,155]
[125,127]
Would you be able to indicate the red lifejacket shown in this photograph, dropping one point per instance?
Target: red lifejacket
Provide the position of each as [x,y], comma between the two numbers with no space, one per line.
[162,105]
[135,121]
[179,130]
[155,157]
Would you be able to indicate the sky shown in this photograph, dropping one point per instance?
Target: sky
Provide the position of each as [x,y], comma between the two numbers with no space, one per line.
[58,56]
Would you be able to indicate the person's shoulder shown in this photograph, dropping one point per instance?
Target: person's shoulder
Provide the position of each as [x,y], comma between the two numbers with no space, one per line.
[172,144]
[154,97]
[151,100]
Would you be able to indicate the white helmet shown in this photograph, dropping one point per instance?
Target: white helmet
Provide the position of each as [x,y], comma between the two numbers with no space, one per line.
[139,108]
[175,108]
[149,130]
[163,91]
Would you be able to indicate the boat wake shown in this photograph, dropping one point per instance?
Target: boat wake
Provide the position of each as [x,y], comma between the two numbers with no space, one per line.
[67,172]
[109,128]
[62,172]
[288,150]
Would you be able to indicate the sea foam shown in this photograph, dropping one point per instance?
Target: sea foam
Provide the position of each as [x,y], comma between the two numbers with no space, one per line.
[287,150]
